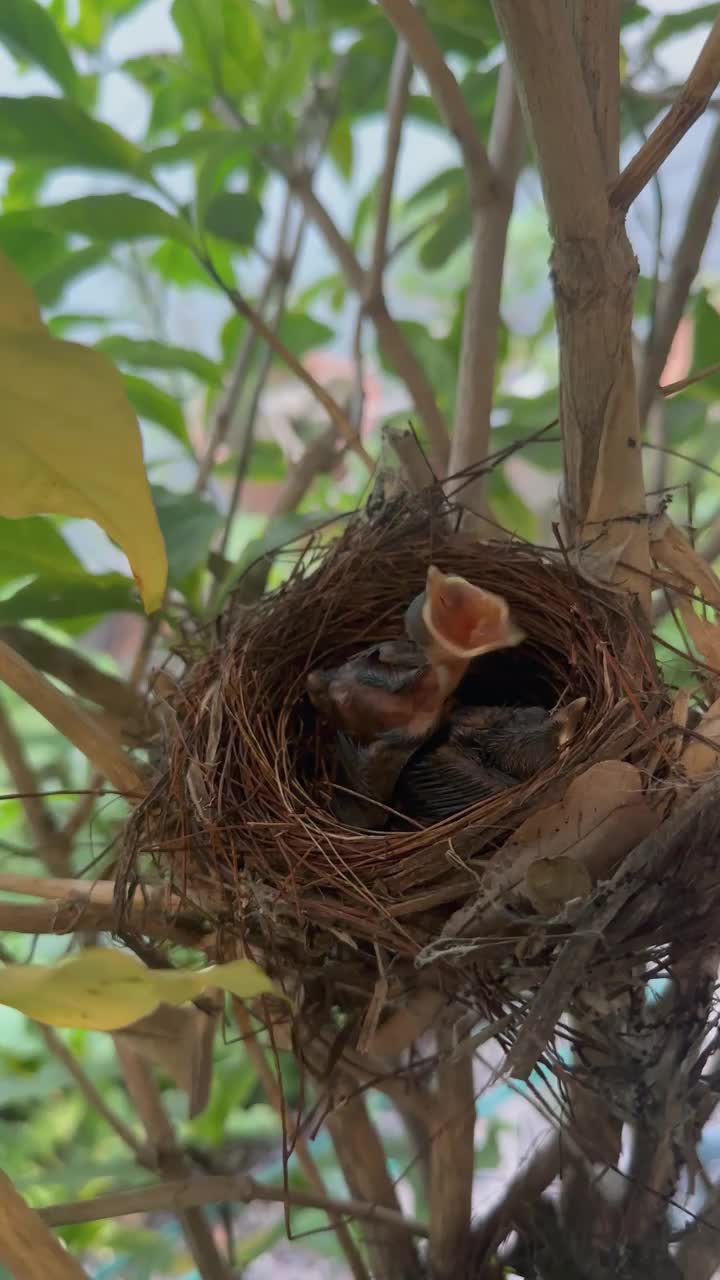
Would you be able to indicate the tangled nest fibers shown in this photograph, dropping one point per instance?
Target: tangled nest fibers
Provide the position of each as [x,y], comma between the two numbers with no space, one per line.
[240,823]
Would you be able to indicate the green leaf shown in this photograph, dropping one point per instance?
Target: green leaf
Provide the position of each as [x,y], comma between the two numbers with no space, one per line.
[81,596]
[302,333]
[51,285]
[188,523]
[340,147]
[176,264]
[34,544]
[222,39]
[450,234]
[449,183]
[145,353]
[280,532]
[61,135]
[437,360]
[33,250]
[706,345]
[676,24]
[267,462]
[226,154]
[30,33]
[116,217]
[155,405]
[234,216]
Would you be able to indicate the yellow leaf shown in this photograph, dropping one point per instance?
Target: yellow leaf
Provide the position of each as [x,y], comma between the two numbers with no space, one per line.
[98,989]
[101,989]
[71,440]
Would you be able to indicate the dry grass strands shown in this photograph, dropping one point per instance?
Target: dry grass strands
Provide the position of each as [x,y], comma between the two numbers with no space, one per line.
[240,820]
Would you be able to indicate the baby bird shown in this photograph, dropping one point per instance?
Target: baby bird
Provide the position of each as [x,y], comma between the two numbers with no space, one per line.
[480,751]
[404,684]
[388,700]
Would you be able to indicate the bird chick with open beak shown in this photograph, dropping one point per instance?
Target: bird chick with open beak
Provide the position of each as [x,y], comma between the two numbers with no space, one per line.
[405,684]
[390,698]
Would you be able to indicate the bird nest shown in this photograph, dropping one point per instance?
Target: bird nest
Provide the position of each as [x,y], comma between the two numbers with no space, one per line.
[351,922]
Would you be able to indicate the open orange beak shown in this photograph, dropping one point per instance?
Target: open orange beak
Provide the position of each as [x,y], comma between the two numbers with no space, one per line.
[465,621]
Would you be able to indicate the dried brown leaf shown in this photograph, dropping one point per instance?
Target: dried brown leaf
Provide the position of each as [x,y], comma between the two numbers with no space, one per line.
[179,1042]
[552,882]
[670,548]
[705,635]
[602,815]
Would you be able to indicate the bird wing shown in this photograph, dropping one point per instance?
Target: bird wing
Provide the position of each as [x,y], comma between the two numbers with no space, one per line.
[442,782]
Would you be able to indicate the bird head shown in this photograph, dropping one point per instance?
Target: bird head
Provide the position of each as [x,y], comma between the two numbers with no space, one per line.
[452,619]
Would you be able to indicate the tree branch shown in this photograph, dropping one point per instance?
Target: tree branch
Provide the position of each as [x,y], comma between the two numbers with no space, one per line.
[171,1160]
[687,108]
[400,76]
[230,398]
[686,261]
[596,31]
[476,376]
[452,1156]
[44,830]
[180,1194]
[91,1094]
[594,272]
[329,404]
[71,916]
[28,1248]
[362,1159]
[80,674]
[391,338]
[427,54]
[300,1146]
[72,722]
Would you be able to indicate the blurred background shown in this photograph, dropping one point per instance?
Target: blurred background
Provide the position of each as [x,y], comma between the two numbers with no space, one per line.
[228,431]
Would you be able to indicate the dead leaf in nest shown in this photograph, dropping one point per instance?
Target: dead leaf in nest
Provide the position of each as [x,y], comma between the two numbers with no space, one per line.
[700,757]
[552,882]
[601,817]
[671,549]
[704,635]
[178,1041]
[680,709]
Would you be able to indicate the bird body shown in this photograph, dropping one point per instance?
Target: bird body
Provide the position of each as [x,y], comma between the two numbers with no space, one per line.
[403,746]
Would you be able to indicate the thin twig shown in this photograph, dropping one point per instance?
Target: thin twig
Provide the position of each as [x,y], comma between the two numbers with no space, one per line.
[230,398]
[300,1148]
[169,1159]
[72,721]
[687,108]
[400,75]
[686,261]
[331,406]
[55,847]
[70,916]
[180,1194]
[409,23]
[247,431]
[392,340]
[78,673]
[672,388]
[362,1159]
[91,1093]
[478,357]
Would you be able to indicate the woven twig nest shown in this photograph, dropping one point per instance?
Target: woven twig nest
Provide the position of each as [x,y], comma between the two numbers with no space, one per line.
[240,820]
